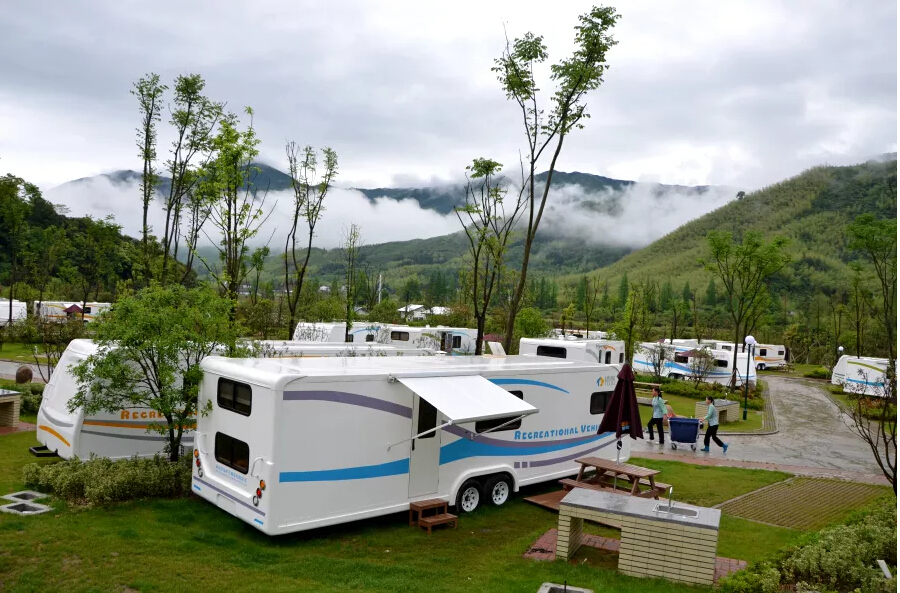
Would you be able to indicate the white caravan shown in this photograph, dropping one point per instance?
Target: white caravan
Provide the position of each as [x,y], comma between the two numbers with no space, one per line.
[19,311]
[452,340]
[678,363]
[860,375]
[125,433]
[602,351]
[297,444]
[56,310]
[334,331]
[765,356]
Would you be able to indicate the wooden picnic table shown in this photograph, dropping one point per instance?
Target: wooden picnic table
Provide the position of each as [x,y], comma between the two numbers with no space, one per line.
[609,472]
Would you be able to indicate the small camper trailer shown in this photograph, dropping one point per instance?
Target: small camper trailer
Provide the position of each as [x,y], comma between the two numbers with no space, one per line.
[19,311]
[63,310]
[602,351]
[679,360]
[125,433]
[860,375]
[765,356]
[316,442]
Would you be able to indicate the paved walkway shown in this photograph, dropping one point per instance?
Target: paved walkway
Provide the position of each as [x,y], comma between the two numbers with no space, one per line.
[8,370]
[22,427]
[812,440]
[545,549]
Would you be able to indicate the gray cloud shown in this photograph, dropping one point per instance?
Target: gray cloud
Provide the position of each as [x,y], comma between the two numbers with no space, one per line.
[736,93]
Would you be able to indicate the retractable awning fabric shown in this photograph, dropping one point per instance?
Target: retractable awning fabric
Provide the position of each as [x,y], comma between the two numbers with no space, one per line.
[468,398]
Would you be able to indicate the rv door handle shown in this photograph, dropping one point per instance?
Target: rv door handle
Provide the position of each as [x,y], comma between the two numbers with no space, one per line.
[201,439]
[413,447]
[253,467]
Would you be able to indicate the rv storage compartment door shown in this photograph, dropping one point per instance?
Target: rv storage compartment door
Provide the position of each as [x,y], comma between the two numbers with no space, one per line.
[467,398]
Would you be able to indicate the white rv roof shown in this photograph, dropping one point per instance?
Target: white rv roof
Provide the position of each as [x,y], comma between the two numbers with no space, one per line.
[468,398]
[275,372]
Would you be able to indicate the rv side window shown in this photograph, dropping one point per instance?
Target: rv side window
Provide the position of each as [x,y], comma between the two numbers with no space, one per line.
[781,353]
[236,397]
[349,338]
[457,341]
[599,401]
[427,419]
[87,310]
[608,356]
[621,357]
[680,358]
[232,452]
[722,363]
[762,351]
[400,336]
[726,348]
[553,351]
[370,338]
[484,425]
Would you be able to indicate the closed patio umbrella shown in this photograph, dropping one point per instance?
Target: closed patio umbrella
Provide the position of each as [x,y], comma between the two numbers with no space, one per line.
[622,415]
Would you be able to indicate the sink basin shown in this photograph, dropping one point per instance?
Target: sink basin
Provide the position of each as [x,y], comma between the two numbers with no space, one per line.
[686,513]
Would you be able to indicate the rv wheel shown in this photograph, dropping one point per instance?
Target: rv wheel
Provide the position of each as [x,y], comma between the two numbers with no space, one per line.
[498,489]
[760,367]
[469,496]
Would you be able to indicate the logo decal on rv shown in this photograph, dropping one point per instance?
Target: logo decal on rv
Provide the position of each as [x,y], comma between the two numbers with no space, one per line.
[231,474]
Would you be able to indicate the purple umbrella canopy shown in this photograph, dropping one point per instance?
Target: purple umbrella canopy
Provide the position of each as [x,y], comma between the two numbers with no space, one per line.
[622,415]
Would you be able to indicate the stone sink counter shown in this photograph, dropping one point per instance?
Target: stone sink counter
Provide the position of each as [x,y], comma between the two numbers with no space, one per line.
[654,544]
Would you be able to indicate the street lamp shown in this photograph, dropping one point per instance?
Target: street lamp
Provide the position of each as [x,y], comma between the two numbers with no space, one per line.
[750,342]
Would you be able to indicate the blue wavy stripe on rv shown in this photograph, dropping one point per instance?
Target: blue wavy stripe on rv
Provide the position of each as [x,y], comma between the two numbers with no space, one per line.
[526,382]
[455,451]
[679,367]
[381,470]
[877,384]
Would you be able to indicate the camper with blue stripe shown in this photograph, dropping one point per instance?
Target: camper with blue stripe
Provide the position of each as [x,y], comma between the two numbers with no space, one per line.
[861,375]
[317,442]
[678,363]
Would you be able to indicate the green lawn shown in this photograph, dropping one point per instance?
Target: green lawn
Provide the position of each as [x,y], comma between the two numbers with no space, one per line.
[176,545]
[684,406]
[17,352]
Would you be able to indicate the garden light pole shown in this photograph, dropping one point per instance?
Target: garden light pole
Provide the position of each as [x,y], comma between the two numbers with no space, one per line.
[749,342]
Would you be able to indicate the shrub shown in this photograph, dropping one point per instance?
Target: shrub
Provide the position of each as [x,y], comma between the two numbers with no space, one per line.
[101,481]
[838,558]
[22,387]
[817,373]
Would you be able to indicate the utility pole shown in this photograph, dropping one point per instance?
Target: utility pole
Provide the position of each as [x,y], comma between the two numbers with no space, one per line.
[379,288]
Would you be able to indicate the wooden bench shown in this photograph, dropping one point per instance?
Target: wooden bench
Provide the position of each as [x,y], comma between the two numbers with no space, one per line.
[658,489]
[417,509]
[442,519]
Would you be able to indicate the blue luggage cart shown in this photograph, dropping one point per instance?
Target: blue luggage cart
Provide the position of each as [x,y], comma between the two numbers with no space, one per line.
[685,431]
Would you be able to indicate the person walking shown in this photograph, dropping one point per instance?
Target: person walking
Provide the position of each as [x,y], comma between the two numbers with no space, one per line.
[712,427]
[659,411]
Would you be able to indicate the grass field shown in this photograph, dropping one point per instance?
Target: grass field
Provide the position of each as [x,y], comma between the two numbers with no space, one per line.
[17,352]
[174,545]
[684,406]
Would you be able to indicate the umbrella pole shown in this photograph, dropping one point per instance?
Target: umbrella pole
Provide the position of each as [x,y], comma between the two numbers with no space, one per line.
[618,452]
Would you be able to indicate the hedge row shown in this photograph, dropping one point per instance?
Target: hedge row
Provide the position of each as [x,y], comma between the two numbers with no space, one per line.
[100,480]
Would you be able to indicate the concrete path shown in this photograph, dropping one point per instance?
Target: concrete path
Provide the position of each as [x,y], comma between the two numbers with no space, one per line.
[8,370]
[812,439]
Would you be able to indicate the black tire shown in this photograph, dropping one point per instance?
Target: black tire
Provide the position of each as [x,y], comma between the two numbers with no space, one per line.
[498,490]
[469,497]
[760,367]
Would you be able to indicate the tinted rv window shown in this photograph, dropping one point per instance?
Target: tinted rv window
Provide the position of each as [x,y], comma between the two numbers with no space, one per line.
[722,363]
[87,310]
[232,452]
[484,425]
[608,356]
[370,338]
[599,401]
[427,419]
[400,336]
[457,341]
[680,358]
[621,357]
[554,351]
[726,348]
[350,338]
[236,397]
[762,351]
[781,353]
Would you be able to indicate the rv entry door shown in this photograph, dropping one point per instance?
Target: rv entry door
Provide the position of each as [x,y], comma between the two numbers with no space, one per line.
[425,451]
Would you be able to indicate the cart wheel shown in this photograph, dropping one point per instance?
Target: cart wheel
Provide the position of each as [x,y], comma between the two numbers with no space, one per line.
[674,446]
[693,447]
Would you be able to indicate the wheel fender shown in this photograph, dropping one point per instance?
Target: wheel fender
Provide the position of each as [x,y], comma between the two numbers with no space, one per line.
[480,473]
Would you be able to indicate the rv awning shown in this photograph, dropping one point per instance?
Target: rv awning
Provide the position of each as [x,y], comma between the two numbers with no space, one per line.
[467,398]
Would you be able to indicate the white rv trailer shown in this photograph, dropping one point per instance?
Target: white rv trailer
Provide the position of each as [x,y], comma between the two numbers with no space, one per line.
[860,375]
[602,351]
[19,311]
[765,356]
[56,310]
[316,442]
[452,340]
[125,433]
[677,366]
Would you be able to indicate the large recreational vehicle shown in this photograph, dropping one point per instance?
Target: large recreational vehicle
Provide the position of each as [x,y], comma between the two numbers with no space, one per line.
[602,351]
[19,311]
[125,433]
[297,444]
[452,340]
[678,363]
[765,356]
[62,310]
[860,375]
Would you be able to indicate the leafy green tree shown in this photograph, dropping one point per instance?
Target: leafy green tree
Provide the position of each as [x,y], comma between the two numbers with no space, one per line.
[310,192]
[530,324]
[488,224]
[626,328]
[47,249]
[149,92]
[574,78]
[591,302]
[666,295]
[351,246]
[95,255]
[687,295]
[744,269]
[624,289]
[860,305]
[149,350]
[384,312]
[712,297]
[15,194]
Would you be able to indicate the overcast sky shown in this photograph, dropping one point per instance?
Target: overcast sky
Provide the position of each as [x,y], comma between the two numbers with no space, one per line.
[699,92]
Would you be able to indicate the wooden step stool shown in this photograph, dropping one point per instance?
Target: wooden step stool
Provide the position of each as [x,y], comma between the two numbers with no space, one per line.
[432,520]
[417,513]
